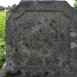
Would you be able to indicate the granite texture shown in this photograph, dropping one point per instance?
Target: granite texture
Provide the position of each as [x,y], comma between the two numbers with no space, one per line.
[41,40]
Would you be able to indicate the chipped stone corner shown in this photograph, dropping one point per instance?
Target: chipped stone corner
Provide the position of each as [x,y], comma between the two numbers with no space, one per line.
[8,14]
[3,71]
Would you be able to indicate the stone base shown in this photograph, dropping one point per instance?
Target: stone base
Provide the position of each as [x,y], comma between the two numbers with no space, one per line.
[5,70]
[2,73]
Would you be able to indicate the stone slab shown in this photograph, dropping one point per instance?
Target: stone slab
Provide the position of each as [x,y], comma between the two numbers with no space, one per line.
[41,40]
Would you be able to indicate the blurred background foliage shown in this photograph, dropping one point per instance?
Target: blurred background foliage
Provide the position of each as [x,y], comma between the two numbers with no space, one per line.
[75,4]
[2,37]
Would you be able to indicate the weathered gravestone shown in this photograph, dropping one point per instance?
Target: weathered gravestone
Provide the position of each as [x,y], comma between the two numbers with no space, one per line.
[41,40]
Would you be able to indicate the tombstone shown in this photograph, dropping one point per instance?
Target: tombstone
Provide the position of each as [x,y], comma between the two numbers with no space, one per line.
[41,40]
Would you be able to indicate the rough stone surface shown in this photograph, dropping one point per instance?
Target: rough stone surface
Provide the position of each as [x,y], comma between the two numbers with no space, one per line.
[42,0]
[41,40]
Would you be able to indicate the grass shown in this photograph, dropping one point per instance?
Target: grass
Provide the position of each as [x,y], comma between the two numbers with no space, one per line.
[2,37]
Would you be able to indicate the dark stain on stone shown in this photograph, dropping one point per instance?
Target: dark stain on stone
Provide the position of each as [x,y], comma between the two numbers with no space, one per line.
[24,27]
[20,24]
[23,38]
[26,45]
[56,30]
[34,75]
[27,74]
[56,36]
[45,40]
[38,75]
[12,74]
[46,20]
[50,24]
[20,34]
[16,49]
[43,27]
[40,30]
[48,61]
[17,57]
[15,29]
[62,36]
[28,22]
[57,74]
[64,65]
[11,42]
[46,73]
[50,44]
[39,22]
[53,21]
[38,38]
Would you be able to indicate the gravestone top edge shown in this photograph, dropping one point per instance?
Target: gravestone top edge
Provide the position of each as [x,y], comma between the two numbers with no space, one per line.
[53,5]
[42,0]
[48,4]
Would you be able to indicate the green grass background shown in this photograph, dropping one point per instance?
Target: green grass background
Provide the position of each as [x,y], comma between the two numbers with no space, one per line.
[2,37]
